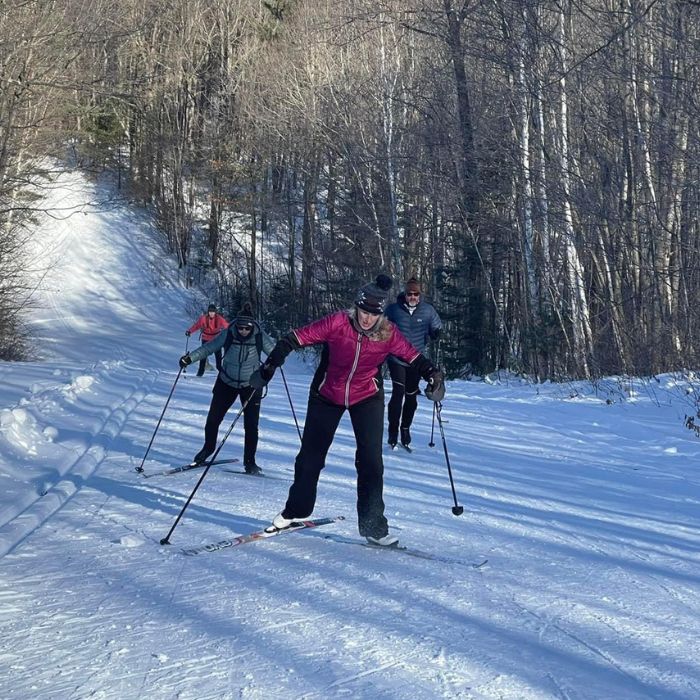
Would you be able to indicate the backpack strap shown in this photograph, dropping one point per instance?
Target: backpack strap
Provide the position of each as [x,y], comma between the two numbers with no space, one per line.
[229,339]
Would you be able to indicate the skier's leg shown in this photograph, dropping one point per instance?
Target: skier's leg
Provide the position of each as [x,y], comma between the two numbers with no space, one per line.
[321,422]
[202,365]
[367,424]
[398,379]
[222,399]
[410,404]
[251,417]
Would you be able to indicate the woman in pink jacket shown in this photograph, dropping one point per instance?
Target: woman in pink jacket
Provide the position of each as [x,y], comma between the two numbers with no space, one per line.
[357,341]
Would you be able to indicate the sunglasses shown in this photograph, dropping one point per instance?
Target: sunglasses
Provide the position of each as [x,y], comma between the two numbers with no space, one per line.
[244,328]
[412,294]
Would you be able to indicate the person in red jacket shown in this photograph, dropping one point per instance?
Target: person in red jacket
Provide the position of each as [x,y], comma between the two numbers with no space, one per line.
[357,343]
[210,324]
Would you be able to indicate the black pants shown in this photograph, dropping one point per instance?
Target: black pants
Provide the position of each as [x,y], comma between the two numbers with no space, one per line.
[222,399]
[322,419]
[404,395]
[203,361]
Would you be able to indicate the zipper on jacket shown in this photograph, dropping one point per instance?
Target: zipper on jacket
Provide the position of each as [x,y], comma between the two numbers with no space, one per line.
[241,347]
[240,362]
[352,370]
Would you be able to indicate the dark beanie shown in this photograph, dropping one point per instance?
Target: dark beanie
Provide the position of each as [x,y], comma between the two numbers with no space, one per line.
[372,297]
[245,316]
[212,307]
[413,285]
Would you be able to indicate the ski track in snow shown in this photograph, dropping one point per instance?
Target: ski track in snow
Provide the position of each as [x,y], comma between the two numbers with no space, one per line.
[586,512]
[53,495]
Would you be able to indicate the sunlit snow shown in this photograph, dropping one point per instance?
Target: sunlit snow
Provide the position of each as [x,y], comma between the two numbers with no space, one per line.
[583,499]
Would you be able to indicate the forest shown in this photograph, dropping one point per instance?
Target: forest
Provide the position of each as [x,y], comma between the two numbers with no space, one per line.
[535,163]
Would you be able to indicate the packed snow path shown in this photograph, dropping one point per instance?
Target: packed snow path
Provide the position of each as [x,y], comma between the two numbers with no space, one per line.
[584,500]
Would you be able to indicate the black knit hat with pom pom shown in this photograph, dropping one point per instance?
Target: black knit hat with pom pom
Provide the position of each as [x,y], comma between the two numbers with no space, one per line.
[373,296]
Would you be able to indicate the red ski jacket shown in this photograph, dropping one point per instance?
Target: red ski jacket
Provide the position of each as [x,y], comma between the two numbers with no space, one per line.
[210,327]
[354,357]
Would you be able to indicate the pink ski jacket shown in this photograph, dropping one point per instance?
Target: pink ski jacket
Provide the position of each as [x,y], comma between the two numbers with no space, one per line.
[210,327]
[354,357]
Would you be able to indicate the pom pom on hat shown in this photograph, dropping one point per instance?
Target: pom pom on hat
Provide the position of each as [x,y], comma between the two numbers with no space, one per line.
[245,316]
[373,296]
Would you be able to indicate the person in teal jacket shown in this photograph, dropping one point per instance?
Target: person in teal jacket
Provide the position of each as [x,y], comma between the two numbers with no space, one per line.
[242,344]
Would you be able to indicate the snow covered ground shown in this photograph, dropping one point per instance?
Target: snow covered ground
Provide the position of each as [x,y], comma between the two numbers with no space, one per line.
[584,500]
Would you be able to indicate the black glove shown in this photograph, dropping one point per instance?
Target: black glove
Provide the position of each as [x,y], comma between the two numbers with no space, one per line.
[282,348]
[184,361]
[188,334]
[435,390]
[260,378]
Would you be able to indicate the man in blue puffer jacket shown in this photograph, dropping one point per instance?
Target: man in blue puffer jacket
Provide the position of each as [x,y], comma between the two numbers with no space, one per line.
[418,322]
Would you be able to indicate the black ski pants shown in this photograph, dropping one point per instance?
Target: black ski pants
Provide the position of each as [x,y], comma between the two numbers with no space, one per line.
[322,419]
[203,361]
[222,399]
[404,398]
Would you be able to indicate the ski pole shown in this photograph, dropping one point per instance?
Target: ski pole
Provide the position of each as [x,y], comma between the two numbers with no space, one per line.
[187,345]
[291,405]
[457,509]
[210,461]
[438,347]
[140,467]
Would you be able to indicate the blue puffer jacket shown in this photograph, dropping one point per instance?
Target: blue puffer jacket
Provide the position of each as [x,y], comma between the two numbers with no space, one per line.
[242,357]
[418,325]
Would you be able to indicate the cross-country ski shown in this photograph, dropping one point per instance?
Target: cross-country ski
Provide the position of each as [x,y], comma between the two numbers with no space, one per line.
[260,535]
[478,563]
[187,468]
[260,475]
